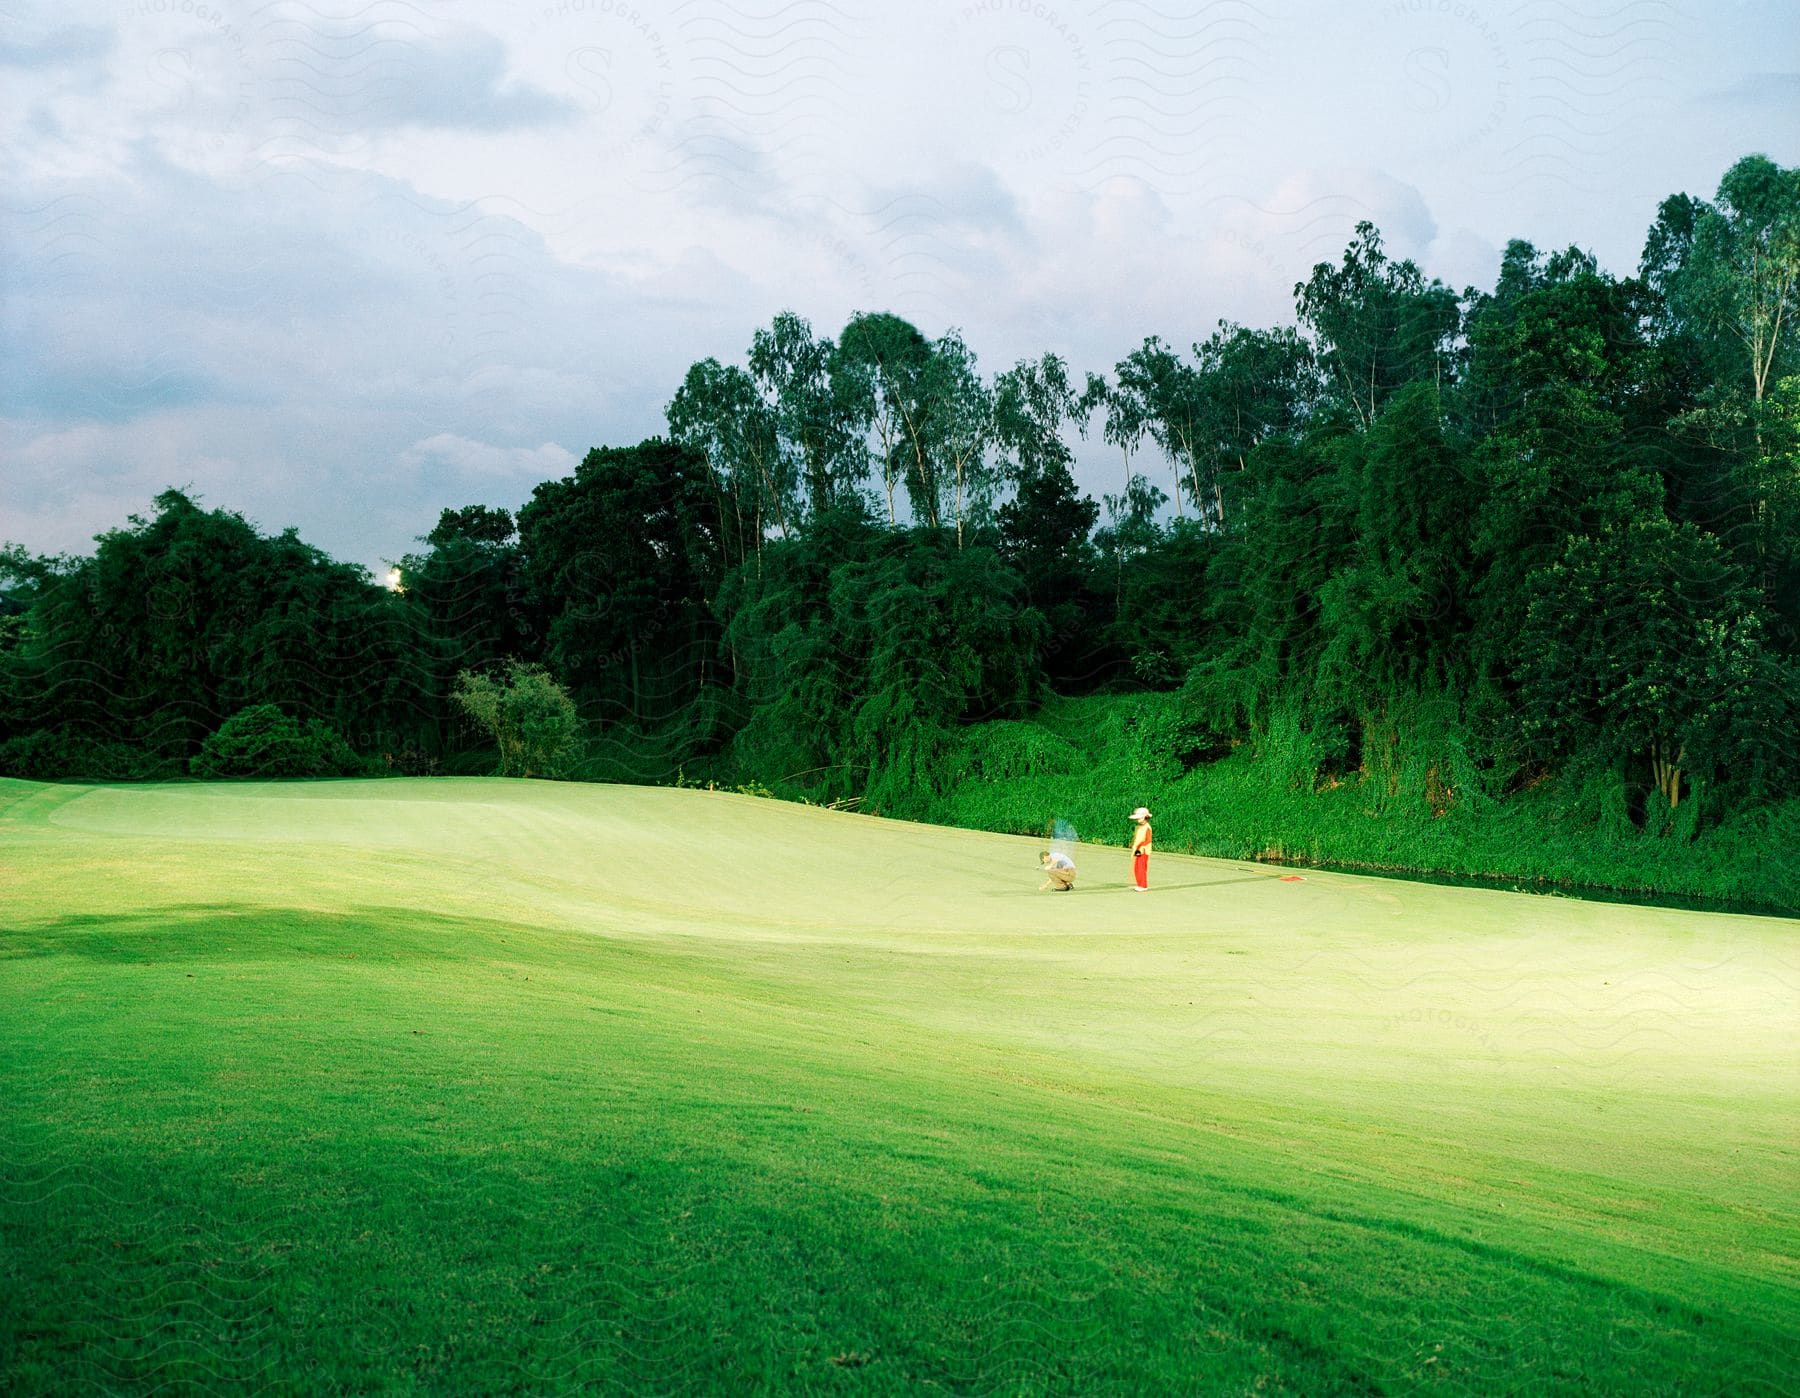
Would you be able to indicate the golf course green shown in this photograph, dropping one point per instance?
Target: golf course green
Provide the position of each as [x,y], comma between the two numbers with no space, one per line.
[478,1086]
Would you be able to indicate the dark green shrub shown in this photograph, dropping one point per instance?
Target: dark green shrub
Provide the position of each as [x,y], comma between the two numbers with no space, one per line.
[529,716]
[261,741]
[1219,703]
[51,755]
[1007,749]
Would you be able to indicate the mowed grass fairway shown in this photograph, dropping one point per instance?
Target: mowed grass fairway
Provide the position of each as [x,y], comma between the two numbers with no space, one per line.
[476,1086]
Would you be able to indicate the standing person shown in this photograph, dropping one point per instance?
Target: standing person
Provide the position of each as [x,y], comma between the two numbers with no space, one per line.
[1140,850]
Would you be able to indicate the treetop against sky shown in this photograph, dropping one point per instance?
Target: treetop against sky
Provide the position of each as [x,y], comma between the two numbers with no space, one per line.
[336,264]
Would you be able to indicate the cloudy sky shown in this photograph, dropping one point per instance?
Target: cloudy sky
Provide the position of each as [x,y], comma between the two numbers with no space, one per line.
[338,265]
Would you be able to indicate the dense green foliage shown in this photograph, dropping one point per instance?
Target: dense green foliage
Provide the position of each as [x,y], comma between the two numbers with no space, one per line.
[186,617]
[1543,538]
[49,754]
[642,1090]
[863,649]
[529,716]
[1283,797]
[261,741]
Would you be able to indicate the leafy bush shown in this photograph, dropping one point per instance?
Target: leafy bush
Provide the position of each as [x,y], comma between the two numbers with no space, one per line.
[530,717]
[261,741]
[1261,802]
[1007,749]
[1220,702]
[51,755]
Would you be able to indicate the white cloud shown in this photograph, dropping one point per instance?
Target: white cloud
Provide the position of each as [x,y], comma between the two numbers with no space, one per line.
[320,264]
[465,457]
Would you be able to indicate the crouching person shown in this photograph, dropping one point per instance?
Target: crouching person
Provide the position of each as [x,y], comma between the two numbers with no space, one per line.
[1059,872]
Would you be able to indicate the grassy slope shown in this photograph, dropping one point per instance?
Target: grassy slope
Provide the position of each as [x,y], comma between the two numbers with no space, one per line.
[466,1085]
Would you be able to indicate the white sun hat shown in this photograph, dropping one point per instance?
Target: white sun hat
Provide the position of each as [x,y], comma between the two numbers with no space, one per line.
[1140,814]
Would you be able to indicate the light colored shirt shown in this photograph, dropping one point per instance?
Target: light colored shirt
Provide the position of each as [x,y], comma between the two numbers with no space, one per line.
[1059,861]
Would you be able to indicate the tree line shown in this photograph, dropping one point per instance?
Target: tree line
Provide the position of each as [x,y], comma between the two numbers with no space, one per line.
[1548,531]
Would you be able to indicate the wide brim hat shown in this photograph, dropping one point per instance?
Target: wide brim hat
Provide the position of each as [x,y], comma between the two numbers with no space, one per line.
[1140,814]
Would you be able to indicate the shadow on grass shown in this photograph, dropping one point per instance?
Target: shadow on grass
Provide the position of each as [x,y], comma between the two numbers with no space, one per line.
[252,932]
[1093,890]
